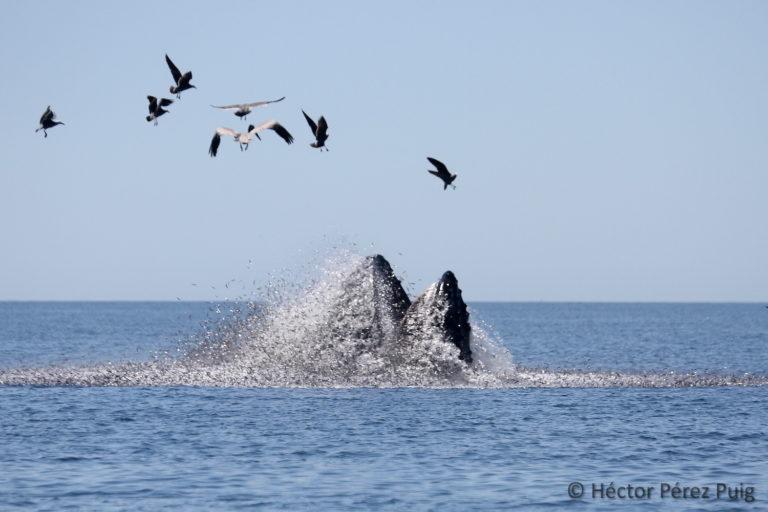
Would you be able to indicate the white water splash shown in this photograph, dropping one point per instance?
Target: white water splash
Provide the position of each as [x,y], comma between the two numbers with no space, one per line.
[319,335]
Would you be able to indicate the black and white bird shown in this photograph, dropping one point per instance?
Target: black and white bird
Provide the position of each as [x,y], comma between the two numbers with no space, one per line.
[244,138]
[241,110]
[442,172]
[156,108]
[319,130]
[48,121]
[181,80]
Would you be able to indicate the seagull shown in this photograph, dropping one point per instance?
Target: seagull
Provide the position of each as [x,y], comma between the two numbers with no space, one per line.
[243,109]
[181,81]
[245,138]
[156,108]
[319,130]
[442,172]
[47,121]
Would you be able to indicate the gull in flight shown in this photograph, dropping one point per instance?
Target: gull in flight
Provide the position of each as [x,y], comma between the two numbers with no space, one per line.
[156,108]
[243,109]
[244,138]
[442,172]
[181,80]
[319,130]
[47,121]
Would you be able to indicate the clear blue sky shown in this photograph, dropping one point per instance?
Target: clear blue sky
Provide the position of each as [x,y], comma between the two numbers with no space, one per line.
[605,150]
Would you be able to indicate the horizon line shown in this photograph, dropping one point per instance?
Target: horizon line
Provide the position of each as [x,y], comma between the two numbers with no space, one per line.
[470,301]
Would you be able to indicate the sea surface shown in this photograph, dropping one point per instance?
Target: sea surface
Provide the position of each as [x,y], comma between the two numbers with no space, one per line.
[464,448]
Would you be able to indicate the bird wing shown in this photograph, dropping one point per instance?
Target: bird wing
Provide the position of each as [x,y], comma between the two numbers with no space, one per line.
[152,104]
[174,70]
[252,130]
[311,123]
[283,133]
[238,106]
[185,78]
[227,131]
[262,103]
[322,127]
[47,115]
[274,126]
[441,168]
[228,107]
[164,102]
[215,141]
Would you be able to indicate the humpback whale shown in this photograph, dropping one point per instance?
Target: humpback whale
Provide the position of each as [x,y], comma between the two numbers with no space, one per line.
[441,309]
[374,310]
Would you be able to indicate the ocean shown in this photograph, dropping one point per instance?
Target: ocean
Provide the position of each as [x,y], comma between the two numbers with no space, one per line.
[97,412]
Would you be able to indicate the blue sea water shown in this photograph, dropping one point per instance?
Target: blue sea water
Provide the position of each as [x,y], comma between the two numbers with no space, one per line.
[454,449]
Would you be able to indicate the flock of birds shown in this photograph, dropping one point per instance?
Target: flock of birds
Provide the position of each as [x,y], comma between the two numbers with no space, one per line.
[183,82]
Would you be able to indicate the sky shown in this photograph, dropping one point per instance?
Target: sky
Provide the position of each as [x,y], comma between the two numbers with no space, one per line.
[605,150]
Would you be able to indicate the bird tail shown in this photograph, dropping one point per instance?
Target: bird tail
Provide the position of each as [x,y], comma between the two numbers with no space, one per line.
[445,186]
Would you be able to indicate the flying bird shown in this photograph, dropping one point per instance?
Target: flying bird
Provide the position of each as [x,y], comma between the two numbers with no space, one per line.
[245,138]
[243,109]
[156,108]
[48,121]
[319,130]
[181,80]
[442,172]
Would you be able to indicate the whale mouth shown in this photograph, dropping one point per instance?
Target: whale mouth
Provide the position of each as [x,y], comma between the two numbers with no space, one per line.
[353,325]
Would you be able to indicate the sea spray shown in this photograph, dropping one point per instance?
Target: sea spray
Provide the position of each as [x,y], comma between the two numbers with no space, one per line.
[339,327]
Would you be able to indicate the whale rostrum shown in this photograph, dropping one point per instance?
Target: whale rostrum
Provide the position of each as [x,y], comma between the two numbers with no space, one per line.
[374,302]
[441,309]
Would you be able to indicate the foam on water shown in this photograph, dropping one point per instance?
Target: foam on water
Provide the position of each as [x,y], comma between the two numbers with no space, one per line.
[307,335]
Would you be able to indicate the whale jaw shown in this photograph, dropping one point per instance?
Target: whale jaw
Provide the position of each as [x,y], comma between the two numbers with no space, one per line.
[373,312]
[440,311]
[372,303]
